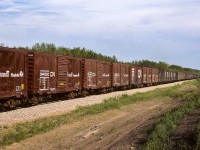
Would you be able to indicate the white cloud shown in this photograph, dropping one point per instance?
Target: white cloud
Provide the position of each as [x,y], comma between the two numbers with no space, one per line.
[103,24]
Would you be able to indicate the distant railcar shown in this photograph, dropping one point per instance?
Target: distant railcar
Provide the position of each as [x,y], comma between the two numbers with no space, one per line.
[135,76]
[120,75]
[147,76]
[155,74]
[96,75]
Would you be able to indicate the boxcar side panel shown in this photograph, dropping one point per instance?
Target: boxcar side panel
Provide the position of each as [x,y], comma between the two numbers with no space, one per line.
[124,73]
[90,74]
[45,73]
[116,78]
[12,73]
[154,75]
[68,74]
[103,74]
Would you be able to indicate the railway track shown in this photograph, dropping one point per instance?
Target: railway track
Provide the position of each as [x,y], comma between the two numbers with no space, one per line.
[61,107]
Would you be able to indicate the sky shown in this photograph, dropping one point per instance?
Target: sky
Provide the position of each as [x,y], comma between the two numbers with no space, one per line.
[155,30]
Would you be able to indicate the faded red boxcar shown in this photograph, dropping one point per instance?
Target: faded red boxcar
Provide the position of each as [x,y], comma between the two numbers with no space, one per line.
[12,73]
[180,76]
[154,75]
[68,74]
[147,73]
[42,69]
[96,74]
[103,74]
[120,73]
[135,76]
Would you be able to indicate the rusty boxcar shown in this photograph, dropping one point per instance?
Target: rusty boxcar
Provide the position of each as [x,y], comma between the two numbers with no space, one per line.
[162,77]
[68,75]
[180,76]
[96,74]
[120,75]
[154,76]
[124,73]
[103,75]
[135,76]
[147,73]
[42,69]
[12,76]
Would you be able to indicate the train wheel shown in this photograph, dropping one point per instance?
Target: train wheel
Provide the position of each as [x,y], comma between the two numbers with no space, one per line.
[72,95]
[84,93]
[10,104]
[33,101]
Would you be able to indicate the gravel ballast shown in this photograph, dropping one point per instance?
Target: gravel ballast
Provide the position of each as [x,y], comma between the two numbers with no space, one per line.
[61,107]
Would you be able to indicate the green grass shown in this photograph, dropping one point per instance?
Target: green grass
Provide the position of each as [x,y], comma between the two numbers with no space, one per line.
[198,140]
[21,131]
[166,124]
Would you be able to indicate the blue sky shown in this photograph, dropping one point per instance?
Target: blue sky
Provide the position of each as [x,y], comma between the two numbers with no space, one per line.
[129,29]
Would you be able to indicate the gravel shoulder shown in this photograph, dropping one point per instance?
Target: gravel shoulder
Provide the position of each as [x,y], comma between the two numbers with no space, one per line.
[61,107]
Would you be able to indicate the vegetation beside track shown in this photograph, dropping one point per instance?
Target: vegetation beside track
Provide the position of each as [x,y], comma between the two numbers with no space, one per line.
[18,132]
[167,123]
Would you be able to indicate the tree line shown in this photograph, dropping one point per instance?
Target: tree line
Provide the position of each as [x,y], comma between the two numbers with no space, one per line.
[86,53]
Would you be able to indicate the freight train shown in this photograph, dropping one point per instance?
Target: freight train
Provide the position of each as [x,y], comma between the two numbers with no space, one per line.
[28,77]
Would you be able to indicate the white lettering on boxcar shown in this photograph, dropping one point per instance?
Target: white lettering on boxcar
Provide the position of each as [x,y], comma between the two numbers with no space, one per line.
[105,75]
[44,73]
[91,74]
[90,77]
[6,74]
[11,74]
[125,75]
[52,74]
[70,75]
[116,75]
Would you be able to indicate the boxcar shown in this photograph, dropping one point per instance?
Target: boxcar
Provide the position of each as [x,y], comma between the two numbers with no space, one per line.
[135,76]
[68,74]
[147,73]
[120,75]
[161,76]
[96,74]
[180,76]
[42,73]
[12,73]
[103,75]
[154,76]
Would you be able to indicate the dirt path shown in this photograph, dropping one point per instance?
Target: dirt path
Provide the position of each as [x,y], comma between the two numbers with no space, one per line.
[102,131]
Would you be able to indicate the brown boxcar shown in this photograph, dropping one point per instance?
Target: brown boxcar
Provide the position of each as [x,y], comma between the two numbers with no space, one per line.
[116,74]
[180,76]
[174,76]
[103,74]
[154,75]
[146,71]
[68,74]
[89,72]
[135,76]
[120,75]
[12,73]
[96,74]
[162,76]
[42,73]
[124,73]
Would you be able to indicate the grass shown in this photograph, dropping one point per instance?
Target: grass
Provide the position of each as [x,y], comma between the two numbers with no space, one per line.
[166,124]
[21,131]
[198,140]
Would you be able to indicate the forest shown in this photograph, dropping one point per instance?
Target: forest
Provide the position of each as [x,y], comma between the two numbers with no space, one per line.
[86,53]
